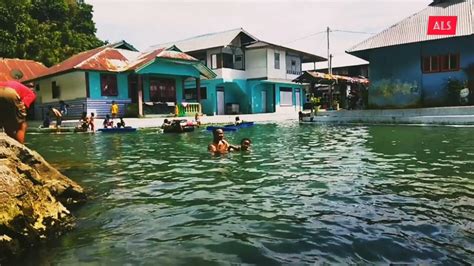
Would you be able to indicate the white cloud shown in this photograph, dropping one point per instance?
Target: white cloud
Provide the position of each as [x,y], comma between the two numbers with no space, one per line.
[147,22]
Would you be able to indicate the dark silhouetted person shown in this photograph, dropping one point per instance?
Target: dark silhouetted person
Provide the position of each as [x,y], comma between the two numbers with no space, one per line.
[15,99]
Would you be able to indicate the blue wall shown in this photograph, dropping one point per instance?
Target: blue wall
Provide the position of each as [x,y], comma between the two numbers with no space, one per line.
[95,89]
[247,94]
[396,73]
[434,83]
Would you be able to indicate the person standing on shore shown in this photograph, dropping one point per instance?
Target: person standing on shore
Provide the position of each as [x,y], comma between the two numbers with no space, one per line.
[15,99]
[114,110]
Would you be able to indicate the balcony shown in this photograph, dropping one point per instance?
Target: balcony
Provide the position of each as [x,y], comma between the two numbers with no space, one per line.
[293,72]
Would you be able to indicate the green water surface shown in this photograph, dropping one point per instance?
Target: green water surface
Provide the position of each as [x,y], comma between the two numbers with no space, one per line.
[305,194]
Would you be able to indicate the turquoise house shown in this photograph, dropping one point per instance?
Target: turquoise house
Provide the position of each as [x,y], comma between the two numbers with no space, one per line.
[411,68]
[253,76]
[141,83]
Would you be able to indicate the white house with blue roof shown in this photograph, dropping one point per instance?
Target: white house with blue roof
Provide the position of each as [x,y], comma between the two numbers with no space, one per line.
[253,76]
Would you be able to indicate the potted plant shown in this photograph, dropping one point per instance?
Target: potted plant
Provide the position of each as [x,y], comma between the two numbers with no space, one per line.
[316,103]
[454,87]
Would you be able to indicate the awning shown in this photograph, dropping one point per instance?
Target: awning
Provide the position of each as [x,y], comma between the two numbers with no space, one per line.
[323,78]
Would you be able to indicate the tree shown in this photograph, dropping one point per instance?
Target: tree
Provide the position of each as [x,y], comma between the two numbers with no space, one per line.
[48,31]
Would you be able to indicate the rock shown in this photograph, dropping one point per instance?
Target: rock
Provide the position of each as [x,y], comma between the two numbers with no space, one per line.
[34,198]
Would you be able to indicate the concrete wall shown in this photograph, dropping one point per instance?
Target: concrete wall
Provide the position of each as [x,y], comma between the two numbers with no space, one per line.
[396,73]
[257,101]
[71,86]
[256,63]
[456,115]
[272,72]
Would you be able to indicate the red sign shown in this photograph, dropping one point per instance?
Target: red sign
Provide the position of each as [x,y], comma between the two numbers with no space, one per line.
[442,25]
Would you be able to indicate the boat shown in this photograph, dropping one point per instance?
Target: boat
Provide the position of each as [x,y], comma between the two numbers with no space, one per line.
[179,126]
[241,125]
[231,127]
[117,130]
[224,128]
[183,129]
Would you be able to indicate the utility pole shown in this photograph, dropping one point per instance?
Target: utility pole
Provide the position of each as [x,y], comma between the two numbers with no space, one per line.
[329,70]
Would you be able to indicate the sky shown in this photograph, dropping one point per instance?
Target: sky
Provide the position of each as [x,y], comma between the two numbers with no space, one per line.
[293,23]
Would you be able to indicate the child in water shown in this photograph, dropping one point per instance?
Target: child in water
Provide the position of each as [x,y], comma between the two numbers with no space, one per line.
[107,122]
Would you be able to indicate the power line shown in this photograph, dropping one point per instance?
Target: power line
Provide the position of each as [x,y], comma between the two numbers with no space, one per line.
[356,32]
[305,37]
[324,31]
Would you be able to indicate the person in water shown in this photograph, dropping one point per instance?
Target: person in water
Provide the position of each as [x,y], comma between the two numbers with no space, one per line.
[219,145]
[53,112]
[166,123]
[245,144]
[121,123]
[91,122]
[107,122]
[197,119]
[237,121]
[84,122]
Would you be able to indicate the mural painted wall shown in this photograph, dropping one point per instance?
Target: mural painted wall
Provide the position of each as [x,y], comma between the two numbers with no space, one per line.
[397,79]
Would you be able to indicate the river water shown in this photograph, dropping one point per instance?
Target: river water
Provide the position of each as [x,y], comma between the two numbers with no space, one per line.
[305,194]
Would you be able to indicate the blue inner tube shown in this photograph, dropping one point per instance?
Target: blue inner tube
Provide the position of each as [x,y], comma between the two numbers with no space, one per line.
[226,128]
[117,130]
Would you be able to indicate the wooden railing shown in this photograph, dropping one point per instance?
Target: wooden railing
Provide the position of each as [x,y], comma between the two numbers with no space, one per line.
[188,109]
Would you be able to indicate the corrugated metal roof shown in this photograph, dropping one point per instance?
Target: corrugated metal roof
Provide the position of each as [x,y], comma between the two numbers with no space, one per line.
[111,59]
[309,76]
[205,41]
[27,68]
[414,28]
[307,57]
[224,38]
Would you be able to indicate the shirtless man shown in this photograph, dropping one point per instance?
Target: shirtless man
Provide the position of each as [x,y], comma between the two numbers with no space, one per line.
[219,144]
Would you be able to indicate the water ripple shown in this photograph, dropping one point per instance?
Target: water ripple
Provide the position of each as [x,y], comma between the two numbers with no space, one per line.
[304,195]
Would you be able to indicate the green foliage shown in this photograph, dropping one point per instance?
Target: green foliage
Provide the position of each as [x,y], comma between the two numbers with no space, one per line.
[453,87]
[315,101]
[47,31]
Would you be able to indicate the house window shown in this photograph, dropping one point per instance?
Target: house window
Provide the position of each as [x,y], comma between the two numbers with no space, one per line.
[449,62]
[55,91]
[108,85]
[239,62]
[191,94]
[432,64]
[216,61]
[277,60]
[293,65]
[228,60]
[162,90]
[286,96]
[203,93]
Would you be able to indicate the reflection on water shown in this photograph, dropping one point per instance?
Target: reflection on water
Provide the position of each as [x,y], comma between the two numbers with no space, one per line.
[304,194]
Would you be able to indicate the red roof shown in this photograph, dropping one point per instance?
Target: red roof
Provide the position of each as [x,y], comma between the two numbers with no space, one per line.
[24,68]
[111,59]
[70,63]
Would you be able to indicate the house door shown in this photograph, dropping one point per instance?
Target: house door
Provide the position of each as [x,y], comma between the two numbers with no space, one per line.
[264,101]
[220,102]
[298,99]
[133,88]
